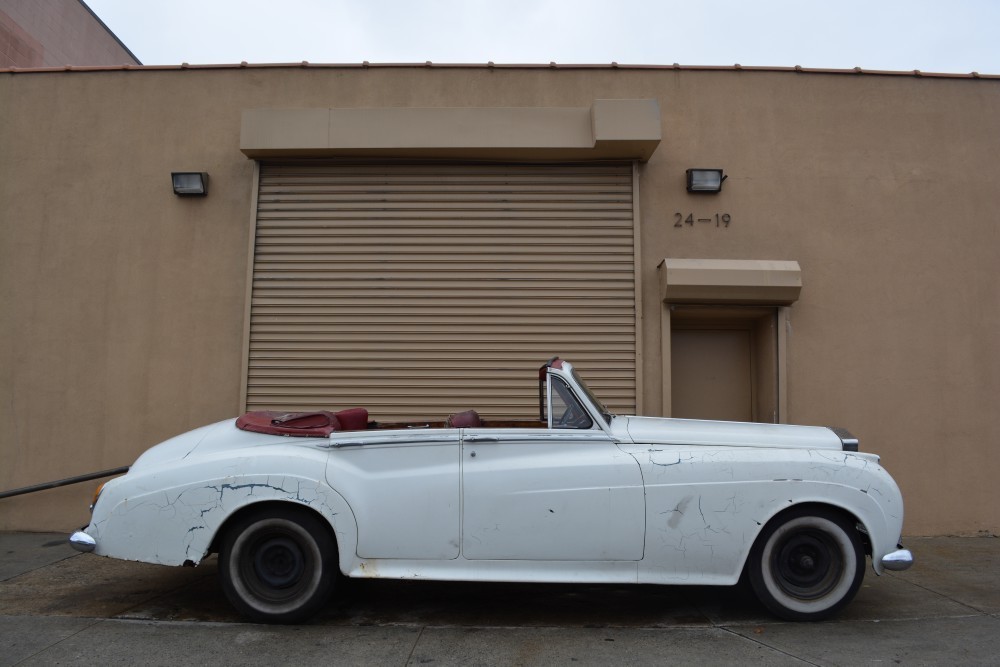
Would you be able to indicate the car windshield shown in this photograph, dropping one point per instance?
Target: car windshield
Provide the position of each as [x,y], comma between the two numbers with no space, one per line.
[567,412]
[596,402]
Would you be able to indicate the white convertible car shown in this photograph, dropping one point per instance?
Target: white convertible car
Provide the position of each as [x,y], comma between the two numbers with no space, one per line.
[293,502]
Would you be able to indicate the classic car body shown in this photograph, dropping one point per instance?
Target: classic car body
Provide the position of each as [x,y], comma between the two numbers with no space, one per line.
[578,495]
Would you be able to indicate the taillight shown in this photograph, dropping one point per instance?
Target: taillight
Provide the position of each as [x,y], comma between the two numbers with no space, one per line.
[97,494]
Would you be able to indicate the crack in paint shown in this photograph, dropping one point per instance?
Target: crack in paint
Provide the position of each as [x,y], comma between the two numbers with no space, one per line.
[193,506]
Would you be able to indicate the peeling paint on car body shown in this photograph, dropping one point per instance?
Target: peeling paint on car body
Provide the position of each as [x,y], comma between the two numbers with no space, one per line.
[628,500]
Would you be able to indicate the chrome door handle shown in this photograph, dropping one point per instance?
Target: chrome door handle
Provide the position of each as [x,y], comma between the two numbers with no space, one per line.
[482,438]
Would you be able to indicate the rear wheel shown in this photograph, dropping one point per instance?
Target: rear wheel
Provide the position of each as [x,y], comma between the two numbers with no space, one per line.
[278,565]
[807,564]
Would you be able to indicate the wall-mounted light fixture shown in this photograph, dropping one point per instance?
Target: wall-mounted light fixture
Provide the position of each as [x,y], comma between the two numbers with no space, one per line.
[190,183]
[705,180]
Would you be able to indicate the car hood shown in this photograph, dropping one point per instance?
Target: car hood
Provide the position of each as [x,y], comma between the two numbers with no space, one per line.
[662,431]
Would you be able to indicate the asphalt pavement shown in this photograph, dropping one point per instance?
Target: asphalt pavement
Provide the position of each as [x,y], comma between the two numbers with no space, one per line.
[58,606]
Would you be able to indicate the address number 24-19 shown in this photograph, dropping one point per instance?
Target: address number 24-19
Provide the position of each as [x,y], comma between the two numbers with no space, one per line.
[720,220]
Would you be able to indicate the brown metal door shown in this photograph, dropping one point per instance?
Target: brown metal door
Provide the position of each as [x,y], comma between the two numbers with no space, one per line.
[712,374]
[419,289]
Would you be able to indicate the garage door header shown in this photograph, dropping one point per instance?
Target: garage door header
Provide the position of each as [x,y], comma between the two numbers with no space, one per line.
[608,129]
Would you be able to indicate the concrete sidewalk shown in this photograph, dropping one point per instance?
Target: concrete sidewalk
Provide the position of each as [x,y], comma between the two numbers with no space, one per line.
[61,607]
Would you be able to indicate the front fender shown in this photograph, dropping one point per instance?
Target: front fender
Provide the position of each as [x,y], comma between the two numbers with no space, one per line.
[706,506]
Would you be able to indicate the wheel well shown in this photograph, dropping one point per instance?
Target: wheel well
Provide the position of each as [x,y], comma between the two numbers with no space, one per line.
[286,506]
[859,526]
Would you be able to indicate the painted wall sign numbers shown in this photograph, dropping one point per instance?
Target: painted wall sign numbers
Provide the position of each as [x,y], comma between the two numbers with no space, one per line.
[721,220]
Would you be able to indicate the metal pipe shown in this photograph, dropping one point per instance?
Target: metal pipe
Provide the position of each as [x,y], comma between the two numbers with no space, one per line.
[63,482]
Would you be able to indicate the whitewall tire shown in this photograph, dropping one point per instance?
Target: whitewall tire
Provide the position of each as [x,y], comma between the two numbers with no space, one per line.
[807,564]
[278,565]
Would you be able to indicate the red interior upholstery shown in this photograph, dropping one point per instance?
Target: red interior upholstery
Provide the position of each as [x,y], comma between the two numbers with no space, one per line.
[298,424]
[305,420]
[355,419]
[317,424]
[467,419]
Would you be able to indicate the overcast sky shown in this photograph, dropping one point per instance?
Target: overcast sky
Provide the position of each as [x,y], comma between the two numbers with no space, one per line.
[934,36]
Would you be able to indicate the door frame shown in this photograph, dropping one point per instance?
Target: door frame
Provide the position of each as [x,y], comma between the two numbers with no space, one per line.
[724,316]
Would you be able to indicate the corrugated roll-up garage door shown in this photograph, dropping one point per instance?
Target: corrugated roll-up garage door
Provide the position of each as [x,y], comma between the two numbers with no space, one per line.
[417,290]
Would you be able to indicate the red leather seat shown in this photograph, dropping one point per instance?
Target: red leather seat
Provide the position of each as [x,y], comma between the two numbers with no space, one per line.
[467,419]
[354,419]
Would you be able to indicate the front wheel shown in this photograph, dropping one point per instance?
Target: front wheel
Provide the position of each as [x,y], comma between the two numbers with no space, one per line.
[807,564]
[278,565]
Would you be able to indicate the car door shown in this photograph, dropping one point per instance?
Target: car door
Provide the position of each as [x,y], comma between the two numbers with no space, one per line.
[549,494]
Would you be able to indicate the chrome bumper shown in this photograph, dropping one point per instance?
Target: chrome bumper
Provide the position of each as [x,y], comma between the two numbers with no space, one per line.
[81,541]
[900,559]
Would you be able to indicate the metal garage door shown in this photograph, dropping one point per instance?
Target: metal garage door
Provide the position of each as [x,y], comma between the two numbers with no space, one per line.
[416,290]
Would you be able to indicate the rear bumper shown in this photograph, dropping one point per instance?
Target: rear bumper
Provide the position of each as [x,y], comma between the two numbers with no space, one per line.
[900,559]
[81,541]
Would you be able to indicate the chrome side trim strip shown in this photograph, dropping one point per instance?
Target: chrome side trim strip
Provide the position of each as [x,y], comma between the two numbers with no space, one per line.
[415,437]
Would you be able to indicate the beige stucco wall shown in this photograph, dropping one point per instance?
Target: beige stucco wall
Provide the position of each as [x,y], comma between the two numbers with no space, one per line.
[123,304]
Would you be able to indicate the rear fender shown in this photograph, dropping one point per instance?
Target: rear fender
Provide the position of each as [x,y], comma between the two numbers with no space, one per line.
[178,524]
